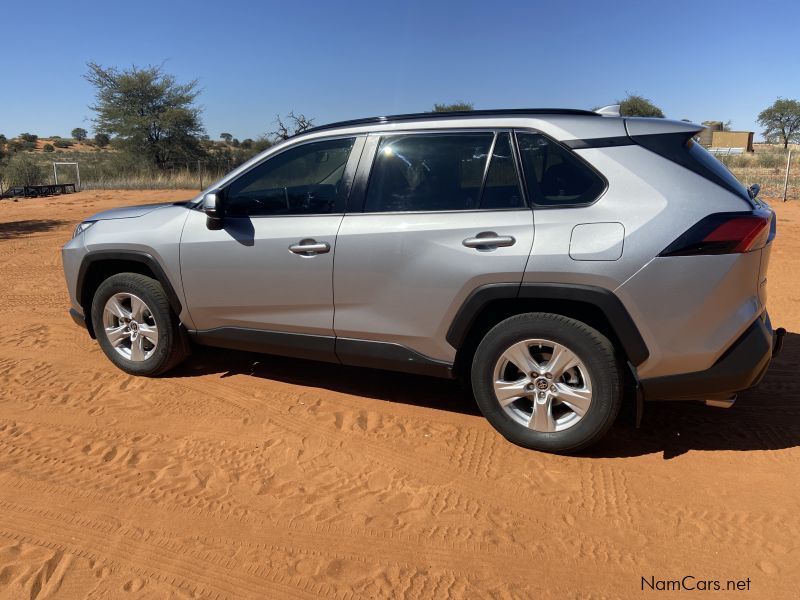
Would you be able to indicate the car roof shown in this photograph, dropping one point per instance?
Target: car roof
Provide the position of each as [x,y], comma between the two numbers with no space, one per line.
[425,116]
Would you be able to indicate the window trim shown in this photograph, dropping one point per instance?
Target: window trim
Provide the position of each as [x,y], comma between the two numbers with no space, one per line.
[532,201]
[350,171]
[358,195]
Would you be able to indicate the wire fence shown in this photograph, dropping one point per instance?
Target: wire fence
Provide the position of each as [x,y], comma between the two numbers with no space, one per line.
[777,172]
[191,174]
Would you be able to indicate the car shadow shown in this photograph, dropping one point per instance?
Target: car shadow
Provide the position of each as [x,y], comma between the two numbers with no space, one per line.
[388,386]
[13,229]
[766,418]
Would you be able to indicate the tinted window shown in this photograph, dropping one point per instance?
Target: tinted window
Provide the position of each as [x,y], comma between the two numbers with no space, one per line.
[428,172]
[304,180]
[710,162]
[501,189]
[553,175]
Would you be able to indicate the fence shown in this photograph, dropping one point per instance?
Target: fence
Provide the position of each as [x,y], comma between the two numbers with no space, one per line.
[193,174]
[777,172]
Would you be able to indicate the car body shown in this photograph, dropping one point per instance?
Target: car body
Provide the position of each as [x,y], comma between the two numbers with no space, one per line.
[401,242]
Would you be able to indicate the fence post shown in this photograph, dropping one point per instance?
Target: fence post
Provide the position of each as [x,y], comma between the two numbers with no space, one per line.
[786,178]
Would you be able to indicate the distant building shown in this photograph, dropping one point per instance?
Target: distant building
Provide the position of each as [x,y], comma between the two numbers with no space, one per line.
[732,139]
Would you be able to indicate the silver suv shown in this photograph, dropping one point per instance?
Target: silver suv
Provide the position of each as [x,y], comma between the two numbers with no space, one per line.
[560,262]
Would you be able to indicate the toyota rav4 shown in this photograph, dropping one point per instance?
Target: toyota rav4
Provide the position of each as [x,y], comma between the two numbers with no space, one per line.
[560,262]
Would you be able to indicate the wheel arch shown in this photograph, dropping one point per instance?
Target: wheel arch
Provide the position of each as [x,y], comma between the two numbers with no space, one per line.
[597,307]
[96,267]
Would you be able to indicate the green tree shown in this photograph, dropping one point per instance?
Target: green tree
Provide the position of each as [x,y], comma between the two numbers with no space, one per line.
[634,105]
[153,116]
[102,140]
[22,169]
[49,148]
[454,107]
[226,137]
[79,134]
[247,143]
[781,121]
[28,137]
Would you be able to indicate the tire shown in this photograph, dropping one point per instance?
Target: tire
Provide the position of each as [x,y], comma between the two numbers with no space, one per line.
[145,350]
[580,403]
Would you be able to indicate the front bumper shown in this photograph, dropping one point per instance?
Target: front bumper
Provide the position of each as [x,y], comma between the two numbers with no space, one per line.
[742,366]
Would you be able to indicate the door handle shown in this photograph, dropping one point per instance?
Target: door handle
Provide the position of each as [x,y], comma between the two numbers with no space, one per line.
[310,247]
[489,240]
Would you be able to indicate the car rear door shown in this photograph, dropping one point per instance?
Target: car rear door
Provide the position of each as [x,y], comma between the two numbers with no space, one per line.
[430,219]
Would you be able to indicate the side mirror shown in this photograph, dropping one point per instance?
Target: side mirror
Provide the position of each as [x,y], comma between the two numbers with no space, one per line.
[212,206]
[753,191]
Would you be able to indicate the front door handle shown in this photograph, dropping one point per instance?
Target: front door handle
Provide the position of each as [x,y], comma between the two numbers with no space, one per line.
[489,240]
[310,247]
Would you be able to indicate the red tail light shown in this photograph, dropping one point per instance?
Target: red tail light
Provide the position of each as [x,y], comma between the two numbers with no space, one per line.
[725,233]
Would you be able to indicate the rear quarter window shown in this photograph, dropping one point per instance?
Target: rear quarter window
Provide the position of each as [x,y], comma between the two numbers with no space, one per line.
[554,176]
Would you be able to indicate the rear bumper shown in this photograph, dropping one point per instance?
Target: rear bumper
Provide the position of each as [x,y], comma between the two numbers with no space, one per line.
[742,366]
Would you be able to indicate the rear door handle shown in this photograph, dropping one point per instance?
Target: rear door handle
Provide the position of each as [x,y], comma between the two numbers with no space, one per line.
[310,247]
[489,240]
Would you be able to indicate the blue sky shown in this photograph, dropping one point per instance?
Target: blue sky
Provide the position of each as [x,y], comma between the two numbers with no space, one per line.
[337,60]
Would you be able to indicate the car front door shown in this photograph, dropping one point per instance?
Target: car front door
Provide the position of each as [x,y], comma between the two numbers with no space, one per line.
[438,215]
[265,278]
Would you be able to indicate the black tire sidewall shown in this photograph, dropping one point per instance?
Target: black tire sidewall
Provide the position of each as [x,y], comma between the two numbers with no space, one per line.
[592,348]
[151,292]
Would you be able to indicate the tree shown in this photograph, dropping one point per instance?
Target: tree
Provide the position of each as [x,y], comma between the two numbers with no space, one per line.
[153,116]
[454,107]
[28,137]
[297,124]
[781,121]
[247,143]
[79,134]
[49,148]
[24,170]
[634,105]
[226,137]
[3,139]
[102,140]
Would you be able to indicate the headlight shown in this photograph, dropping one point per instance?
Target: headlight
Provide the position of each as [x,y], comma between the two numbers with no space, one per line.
[82,227]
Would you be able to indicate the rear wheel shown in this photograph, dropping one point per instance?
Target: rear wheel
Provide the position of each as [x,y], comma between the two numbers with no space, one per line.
[547,382]
[135,326]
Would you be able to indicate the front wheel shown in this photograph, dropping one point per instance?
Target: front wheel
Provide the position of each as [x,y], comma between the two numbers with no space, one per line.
[547,382]
[135,326]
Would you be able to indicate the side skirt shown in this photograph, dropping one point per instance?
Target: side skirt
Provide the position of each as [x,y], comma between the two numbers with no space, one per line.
[346,351]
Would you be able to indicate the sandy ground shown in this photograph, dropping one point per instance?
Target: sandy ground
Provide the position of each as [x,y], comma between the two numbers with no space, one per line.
[243,476]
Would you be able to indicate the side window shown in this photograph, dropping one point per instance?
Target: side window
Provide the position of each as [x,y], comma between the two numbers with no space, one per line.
[553,175]
[428,172]
[306,180]
[501,189]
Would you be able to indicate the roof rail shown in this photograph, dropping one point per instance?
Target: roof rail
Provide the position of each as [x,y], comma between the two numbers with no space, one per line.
[453,114]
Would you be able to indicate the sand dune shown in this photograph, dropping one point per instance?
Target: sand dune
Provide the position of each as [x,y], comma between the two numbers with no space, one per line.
[247,476]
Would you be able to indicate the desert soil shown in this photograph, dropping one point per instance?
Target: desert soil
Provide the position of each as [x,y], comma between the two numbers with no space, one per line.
[247,476]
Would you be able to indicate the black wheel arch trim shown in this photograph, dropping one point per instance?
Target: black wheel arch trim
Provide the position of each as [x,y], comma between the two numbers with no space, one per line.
[137,256]
[605,300]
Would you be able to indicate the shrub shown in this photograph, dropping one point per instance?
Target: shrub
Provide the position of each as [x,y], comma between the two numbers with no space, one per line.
[771,160]
[49,148]
[28,137]
[22,169]
[62,143]
[102,140]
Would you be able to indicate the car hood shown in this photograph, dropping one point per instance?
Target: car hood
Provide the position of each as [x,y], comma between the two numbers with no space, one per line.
[128,212]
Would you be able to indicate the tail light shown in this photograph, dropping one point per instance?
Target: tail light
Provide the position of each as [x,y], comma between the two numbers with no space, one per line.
[725,233]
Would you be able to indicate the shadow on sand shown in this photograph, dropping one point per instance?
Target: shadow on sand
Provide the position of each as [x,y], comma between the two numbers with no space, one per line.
[14,229]
[766,418]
